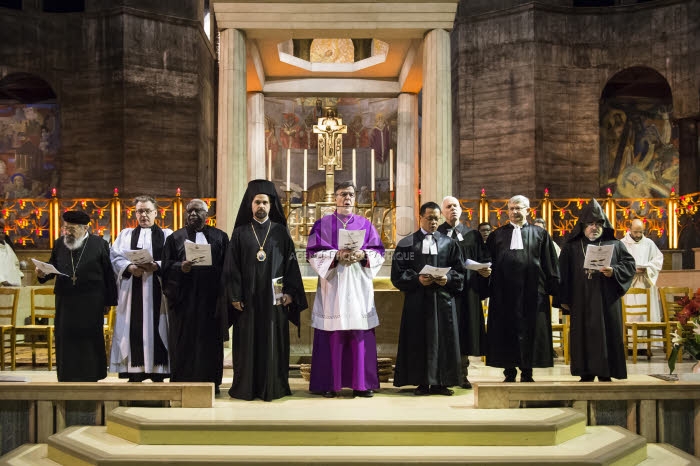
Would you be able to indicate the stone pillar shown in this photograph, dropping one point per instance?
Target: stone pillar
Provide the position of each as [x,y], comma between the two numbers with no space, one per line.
[436,135]
[407,166]
[256,136]
[232,157]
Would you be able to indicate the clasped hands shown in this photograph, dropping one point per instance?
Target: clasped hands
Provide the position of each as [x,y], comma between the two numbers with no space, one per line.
[139,270]
[427,280]
[348,256]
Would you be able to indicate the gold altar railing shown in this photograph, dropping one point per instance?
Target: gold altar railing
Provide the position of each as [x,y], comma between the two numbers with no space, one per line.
[665,218]
[36,223]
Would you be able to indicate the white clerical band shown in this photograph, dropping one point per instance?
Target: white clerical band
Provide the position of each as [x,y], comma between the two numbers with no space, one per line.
[429,245]
[516,241]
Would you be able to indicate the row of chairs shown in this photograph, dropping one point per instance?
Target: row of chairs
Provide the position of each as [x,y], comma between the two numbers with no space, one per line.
[636,333]
[35,335]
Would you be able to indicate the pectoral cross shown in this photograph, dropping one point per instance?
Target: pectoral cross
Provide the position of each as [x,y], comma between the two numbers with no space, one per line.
[74,279]
[330,132]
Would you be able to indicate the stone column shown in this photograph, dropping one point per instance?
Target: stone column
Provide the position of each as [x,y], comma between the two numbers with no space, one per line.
[256,136]
[407,166]
[436,136]
[232,157]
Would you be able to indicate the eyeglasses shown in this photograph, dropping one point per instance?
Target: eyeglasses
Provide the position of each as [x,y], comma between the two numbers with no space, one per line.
[144,211]
[72,227]
[196,209]
[345,194]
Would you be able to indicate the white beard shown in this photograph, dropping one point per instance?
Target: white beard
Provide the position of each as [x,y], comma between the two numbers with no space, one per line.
[74,244]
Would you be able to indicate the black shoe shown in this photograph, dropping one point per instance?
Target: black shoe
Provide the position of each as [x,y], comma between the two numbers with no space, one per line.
[329,394]
[441,390]
[217,391]
[363,393]
[509,378]
[604,379]
[526,378]
[587,378]
[421,390]
[466,384]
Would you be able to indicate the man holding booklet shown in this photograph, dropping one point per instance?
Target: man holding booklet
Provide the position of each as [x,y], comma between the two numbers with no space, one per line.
[427,266]
[596,271]
[347,253]
[193,260]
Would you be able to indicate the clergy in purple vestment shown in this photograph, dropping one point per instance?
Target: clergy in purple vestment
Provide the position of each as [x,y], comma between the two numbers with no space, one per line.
[344,316]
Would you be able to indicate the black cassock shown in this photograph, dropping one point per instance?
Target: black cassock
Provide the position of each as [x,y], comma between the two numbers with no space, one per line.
[519,320]
[428,352]
[472,334]
[80,308]
[596,342]
[197,314]
[261,330]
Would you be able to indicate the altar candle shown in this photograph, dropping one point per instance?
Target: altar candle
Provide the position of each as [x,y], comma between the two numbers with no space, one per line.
[305,167]
[354,167]
[372,169]
[269,165]
[289,154]
[391,169]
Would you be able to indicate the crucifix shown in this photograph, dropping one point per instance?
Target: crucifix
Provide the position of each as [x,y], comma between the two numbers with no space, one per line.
[330,132]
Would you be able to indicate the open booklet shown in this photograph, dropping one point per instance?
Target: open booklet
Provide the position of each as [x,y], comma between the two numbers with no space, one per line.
[198,254]
[434,272]
[47,268]
[350,239]
[598,256]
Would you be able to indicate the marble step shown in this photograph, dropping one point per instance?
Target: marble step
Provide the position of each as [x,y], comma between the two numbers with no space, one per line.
[34,454]
[661,454]
[599,445]
[345,424]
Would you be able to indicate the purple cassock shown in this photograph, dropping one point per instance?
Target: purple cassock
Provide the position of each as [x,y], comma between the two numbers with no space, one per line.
[344,315]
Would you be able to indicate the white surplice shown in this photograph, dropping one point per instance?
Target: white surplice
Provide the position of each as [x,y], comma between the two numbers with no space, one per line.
[9,266]
[646,255]
[120,360]
[345,294]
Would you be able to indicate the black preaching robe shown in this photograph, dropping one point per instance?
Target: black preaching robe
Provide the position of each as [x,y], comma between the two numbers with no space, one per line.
[519,320]
[197,314]
[428,352]
[596,339]
[472,334]
[80,308]
[261,330]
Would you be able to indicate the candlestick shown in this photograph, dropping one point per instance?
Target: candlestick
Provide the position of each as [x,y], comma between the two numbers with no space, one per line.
[372,169]
[269,165]
[354,167]
[305,168]
[391,169]
[289,154]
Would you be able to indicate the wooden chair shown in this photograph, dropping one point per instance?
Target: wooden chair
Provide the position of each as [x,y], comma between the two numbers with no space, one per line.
[641,331]
[669,295]
[9,299]
[560,336]
[41,309]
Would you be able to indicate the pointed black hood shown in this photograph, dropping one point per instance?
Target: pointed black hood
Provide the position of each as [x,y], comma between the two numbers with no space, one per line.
[592,212]
[255,187]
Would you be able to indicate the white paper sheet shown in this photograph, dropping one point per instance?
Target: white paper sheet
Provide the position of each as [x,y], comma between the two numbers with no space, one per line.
[598,256]
[47,268]
[139,256]
[198,254]
[474,265]
[434,271]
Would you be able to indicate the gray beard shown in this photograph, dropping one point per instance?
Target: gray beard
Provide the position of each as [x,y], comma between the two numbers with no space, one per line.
[74,244]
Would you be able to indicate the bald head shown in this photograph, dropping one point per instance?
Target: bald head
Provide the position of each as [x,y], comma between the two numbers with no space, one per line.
[451,210]
[637,230]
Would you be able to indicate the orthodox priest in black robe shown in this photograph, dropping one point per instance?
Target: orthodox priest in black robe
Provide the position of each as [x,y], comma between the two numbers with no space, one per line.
[470,315]
[592,298]
[83,296]
[428,353]
[197,313]
[525,275]
[262,250]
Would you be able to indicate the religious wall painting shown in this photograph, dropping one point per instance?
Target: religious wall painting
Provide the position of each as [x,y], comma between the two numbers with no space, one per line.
[639,155]
[371,124]
[29,142]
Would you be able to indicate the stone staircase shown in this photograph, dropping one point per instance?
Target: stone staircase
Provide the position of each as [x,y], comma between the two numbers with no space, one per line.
[344,433]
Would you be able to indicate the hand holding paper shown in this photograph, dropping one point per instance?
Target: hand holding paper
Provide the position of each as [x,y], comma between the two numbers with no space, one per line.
[198,254]
[47,268]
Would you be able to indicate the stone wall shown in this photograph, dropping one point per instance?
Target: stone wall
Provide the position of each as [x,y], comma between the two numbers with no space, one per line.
[135,84]
[529,80]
